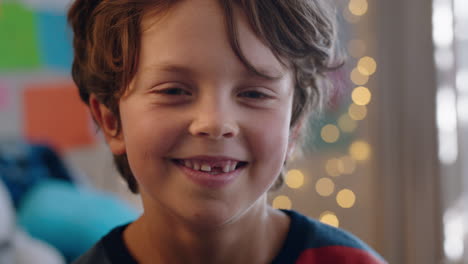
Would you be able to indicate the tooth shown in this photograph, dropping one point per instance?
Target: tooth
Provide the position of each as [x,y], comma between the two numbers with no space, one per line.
[188,163]
[233,165]
[206,167]
[227,167]
[196,165]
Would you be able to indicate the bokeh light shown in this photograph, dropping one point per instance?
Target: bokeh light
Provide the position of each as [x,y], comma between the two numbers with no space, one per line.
[358,7]
[357,112]
[349,17]
[325,187]
[333,167]
[360,150]
[358,78]
[367,66]
[346,198]
[294,179]
[348,165]
[346,124]
[282,202]
[329,218]
[330,133]
[361,95]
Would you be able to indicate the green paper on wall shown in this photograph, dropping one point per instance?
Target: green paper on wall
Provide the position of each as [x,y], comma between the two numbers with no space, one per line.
[18,38]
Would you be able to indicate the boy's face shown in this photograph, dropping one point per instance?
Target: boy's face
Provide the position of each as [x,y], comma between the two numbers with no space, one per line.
[194,105]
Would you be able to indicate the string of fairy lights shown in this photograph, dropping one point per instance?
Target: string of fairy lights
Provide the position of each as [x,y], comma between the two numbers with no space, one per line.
[358,151]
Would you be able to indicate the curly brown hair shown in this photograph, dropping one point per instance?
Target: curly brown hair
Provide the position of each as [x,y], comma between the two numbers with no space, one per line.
[106,40]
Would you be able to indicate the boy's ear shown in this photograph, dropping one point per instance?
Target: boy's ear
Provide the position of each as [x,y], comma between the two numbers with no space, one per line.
[108,122]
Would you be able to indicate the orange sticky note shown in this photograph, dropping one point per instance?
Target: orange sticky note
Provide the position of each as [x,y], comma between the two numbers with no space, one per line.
[54,114]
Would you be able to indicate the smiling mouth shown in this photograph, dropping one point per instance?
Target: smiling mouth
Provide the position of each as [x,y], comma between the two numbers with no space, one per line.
[213,168]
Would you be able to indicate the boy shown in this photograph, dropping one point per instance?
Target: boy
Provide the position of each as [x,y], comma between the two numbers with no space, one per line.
[201,102]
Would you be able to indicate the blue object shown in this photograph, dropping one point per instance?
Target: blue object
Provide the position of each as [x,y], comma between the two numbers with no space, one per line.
[23,165]
[54,41]
[70,218]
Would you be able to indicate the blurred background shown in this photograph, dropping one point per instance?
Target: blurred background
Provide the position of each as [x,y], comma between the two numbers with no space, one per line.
[387,161]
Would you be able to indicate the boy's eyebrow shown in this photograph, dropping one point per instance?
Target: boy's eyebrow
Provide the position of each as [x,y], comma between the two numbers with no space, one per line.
[271,73]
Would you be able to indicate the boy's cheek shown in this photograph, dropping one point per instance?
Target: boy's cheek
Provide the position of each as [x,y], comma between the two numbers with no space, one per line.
[270,142]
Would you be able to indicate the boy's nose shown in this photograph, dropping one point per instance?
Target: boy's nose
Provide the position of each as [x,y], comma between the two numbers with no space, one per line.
[214,122]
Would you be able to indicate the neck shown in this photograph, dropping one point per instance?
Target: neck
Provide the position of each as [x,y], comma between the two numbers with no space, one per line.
[258,234]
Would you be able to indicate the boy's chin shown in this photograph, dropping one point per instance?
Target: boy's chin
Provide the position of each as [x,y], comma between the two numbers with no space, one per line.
[216,218]
[202,214]
[211,219]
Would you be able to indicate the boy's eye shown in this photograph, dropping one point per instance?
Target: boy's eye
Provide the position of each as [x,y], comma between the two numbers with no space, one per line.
[254,95]
[173,91]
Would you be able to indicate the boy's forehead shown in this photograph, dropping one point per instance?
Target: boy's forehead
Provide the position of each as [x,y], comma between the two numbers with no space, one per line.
[175,10]
[186,70]
[195,30]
